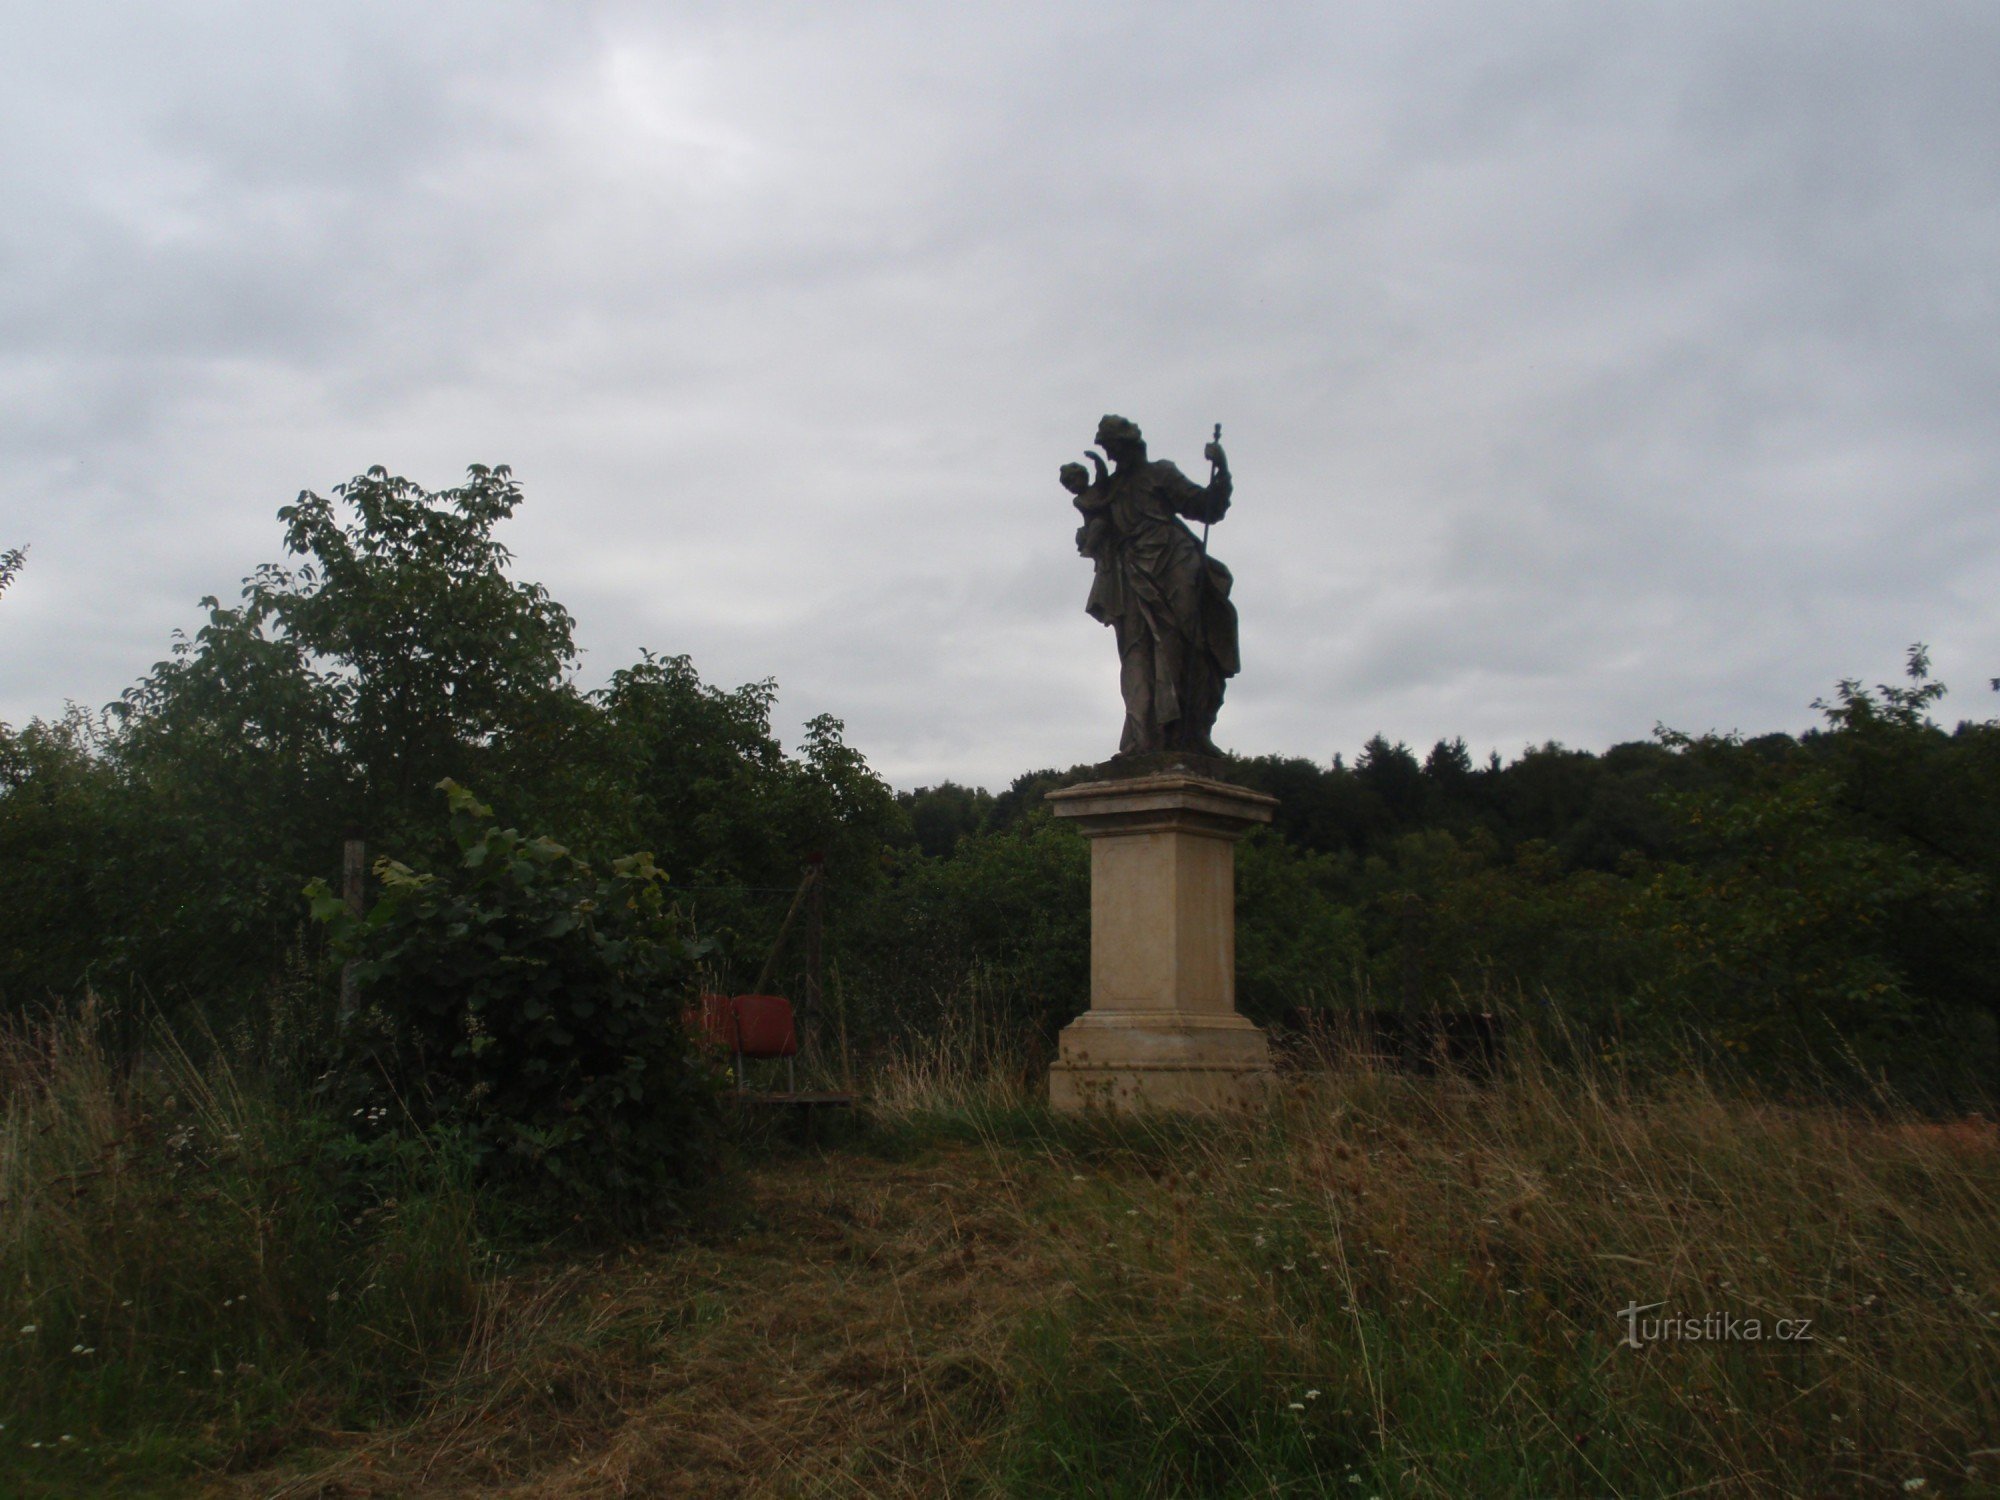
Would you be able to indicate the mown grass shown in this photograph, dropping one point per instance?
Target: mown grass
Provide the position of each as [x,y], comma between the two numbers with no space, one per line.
[1383,1285]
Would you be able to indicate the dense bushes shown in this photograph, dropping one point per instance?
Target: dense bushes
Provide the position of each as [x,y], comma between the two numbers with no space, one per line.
[1832,899]
[529,1006]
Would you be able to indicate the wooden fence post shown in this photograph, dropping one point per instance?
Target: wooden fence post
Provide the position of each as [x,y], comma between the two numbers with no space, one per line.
[353,885]
[815,925]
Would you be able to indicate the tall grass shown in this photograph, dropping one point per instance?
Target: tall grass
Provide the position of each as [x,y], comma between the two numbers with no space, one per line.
[1383,1285]
[195,1272]
[1390,1285]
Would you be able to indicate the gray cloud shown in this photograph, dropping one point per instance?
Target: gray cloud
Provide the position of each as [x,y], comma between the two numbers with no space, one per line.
[1582,366]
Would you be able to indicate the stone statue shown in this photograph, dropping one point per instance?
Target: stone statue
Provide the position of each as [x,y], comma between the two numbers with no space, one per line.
[1157,587]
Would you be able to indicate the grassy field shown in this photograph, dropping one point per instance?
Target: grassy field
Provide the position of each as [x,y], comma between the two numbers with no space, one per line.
[1384,1286]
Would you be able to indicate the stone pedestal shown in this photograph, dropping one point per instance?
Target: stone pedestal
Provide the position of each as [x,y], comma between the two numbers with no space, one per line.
[1162,1030]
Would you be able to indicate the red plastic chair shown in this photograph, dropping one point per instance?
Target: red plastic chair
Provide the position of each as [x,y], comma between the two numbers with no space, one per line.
[764,1029]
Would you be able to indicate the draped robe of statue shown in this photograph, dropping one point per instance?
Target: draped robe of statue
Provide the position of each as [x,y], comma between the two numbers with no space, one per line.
[1166,600]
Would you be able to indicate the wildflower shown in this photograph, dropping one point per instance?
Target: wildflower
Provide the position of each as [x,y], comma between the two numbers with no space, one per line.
[27,1328]
[1295,1406]
[1911,1486]
[1312,1395]
[76,1348]
[334,1295]
[66,1438]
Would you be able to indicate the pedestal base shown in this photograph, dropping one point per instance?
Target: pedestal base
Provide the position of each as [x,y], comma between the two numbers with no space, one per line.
[1136,1060]
[1162,1030]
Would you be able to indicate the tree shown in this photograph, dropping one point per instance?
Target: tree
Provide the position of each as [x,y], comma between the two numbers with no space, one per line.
[441,664]
[941,815]
[694,774]
[332,700]
[1392,774]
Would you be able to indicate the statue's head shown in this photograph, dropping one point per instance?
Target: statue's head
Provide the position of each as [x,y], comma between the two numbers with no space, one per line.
[1075,478]
[1120,438]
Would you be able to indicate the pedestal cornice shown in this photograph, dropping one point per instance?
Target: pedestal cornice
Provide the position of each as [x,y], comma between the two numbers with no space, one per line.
[1173,801]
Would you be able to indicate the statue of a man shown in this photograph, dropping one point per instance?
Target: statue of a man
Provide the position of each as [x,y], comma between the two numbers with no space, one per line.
[1157,587]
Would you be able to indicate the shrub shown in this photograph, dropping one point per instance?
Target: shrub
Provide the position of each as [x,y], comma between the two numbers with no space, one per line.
[531,1004]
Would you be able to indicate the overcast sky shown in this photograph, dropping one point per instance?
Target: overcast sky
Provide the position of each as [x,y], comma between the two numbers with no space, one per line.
[1582,366]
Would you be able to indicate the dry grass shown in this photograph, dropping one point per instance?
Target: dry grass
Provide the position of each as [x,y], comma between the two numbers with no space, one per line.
[1381,1286]
[1417,1284]
[849,1336]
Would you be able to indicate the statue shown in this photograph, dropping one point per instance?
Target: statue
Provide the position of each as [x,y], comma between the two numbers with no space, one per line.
[1156,586]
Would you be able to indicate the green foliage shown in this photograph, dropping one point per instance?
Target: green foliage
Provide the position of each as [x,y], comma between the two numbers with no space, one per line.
[1816,883]
[327,702]
[11,562]
[532,1005]
[942,815]
[694,773]
[439,663]
[1011,908]
[228,757]
[1297,942]
[1836,895]
[70,843]
[1774,928]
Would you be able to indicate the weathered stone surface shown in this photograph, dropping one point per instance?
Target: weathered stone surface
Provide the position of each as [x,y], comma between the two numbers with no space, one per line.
[1146,1060]
[1165,598]
[1162,1029]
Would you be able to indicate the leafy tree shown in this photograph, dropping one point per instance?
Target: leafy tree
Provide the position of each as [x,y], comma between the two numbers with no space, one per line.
[1298,940]
[232,748]
[439,663]
[1328,811]
[1392,774]
[1779,914]
[326,703]
[1008,911]
[1903,780]
[942,815]
[694,773]
[70,847]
